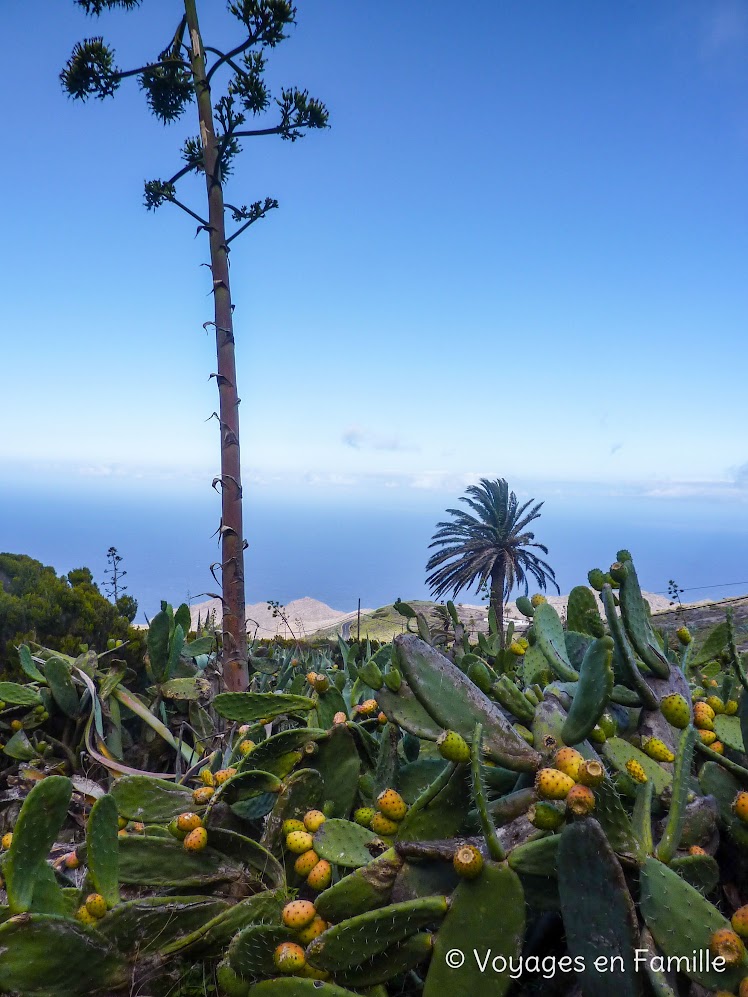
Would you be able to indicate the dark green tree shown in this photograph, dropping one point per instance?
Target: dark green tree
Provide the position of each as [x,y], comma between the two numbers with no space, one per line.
[489,546]
[186,72]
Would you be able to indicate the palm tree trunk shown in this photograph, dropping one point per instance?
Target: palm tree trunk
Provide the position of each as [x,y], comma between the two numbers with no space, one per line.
[497,600]
[235,676]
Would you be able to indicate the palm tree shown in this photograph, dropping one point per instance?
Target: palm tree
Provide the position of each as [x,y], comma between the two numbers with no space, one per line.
[489,548]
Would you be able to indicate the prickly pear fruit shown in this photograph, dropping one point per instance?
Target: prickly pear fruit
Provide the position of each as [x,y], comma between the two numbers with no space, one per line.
[552,784]
[684,635]
[591,773]
[196,840]
[598,735]
[84,915]
[368,707]
[468,862]
[244,729]
[289,958]
[207,778]
[71,861]
[313,820]
[727,945]
[298,914]
[580,800]
[223,775]
[291,825]
[717,746]
[703,716]
[716,704]
[546,816]
[537,600]
[96,905]
[247,747]
[636,771]
[740,806]
[697,850]
[739,921]
[202,795]
[674,709]
[6,840]
[392,805]
[568,760]
[299,842]
[321,683]
[453,746]
[305,863]
[340,718]
[310,932]
[658,750]
[731,707]
[380,824]
[364,815]
[320,877]
[189,821]
[707,737]
[743,989]
[516,648]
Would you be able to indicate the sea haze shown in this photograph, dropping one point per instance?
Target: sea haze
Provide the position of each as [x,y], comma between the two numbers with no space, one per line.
[342,548]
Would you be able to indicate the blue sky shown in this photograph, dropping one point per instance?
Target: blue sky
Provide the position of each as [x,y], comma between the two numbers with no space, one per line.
[520,250]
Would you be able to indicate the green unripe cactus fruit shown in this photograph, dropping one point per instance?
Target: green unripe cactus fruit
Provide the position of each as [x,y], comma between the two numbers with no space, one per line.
[596,578]
[364,815]
[546,816]
[453,747]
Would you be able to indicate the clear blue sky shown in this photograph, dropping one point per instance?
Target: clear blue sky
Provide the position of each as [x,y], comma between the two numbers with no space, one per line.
[520,250]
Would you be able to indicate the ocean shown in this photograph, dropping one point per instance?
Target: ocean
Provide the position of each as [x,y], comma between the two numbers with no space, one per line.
[340,549]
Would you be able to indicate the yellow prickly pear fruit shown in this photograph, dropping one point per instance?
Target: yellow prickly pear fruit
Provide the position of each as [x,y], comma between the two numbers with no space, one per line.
[717,746]
[658,750]
[289,826]
[121,822]
[591,773]
[201,796]
[707,737]
[516,648]
[189,821]
[299,842]
[289,958]
[84,915]
[453,746]
[703,716]
[96,905]
[311,678]
[368,707]
[207,777]
[684,635]
[739,921]
[339,718]
[7,840]
[580,800]
[313,820]
[731,707]
[223,775]
[71,861]
[716,704]
[697,850]
[306,862]
[380,824]
[16,725]
[364,815]
[392,805]
[247,747]
[122,833]
[467,862]
[568,760]
[320,877]
[636,771]
[298,914]
[196,840]
[728,946]
[674,709]
[312,930]
[552,784]
[740,806]
[538,600]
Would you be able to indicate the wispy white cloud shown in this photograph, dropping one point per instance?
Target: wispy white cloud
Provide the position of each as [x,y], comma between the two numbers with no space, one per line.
[364,439]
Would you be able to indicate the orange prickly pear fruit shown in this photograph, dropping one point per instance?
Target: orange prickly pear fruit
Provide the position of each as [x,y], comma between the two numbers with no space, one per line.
[636,771]
[72,861]
[453,746]
[703,716]
[291,825]
[727,945]
[289,958]
[202,795]
[468,862]
[538,600]
[306,862]
[320,877]
[717,746]
[568,760]
[380,824]
[84,915]
[697,850]
[122,833]
[739,921]
[552,784]
[189,821]
[207,777]
[223,775]
[740,806]
[298,914]
[196,840]
[96,905]
[310,932]
[368,707]
[382,718]
[591,773]
[299,842]
[311,677]
[137,826]
[731,708]
[707,737]
[313,820]
[580,800]
[716,704]
[684,635]
[674,709]
[339,718]
[392,805]
[658,750]
[364,815]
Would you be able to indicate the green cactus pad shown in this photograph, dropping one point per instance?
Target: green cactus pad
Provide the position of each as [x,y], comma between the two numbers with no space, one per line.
[18,695]
[487,915]
[618,752]
[682,922]
[150,924]
[582,612]
[550,634]
[717,782]
[292,986]
[64,693]
[536,858]
[328,704]
[457,704]
[102,851]
[402,708]
[249,707]
[513,699]
[44,954]
[535,667]
[344,843]
[150,800]
[40,819]
[424,879]
[151,861]
[249,853]
[390,964]
[248,785]
[593,691]
[624,660]
[302,790]
[341,947]
[728,731]
[267,753]
[367,888]
[250,954]
[338,762]
[701,871]
[213,937]
[442,808]
[681,786]
[636,621]
[598,912]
